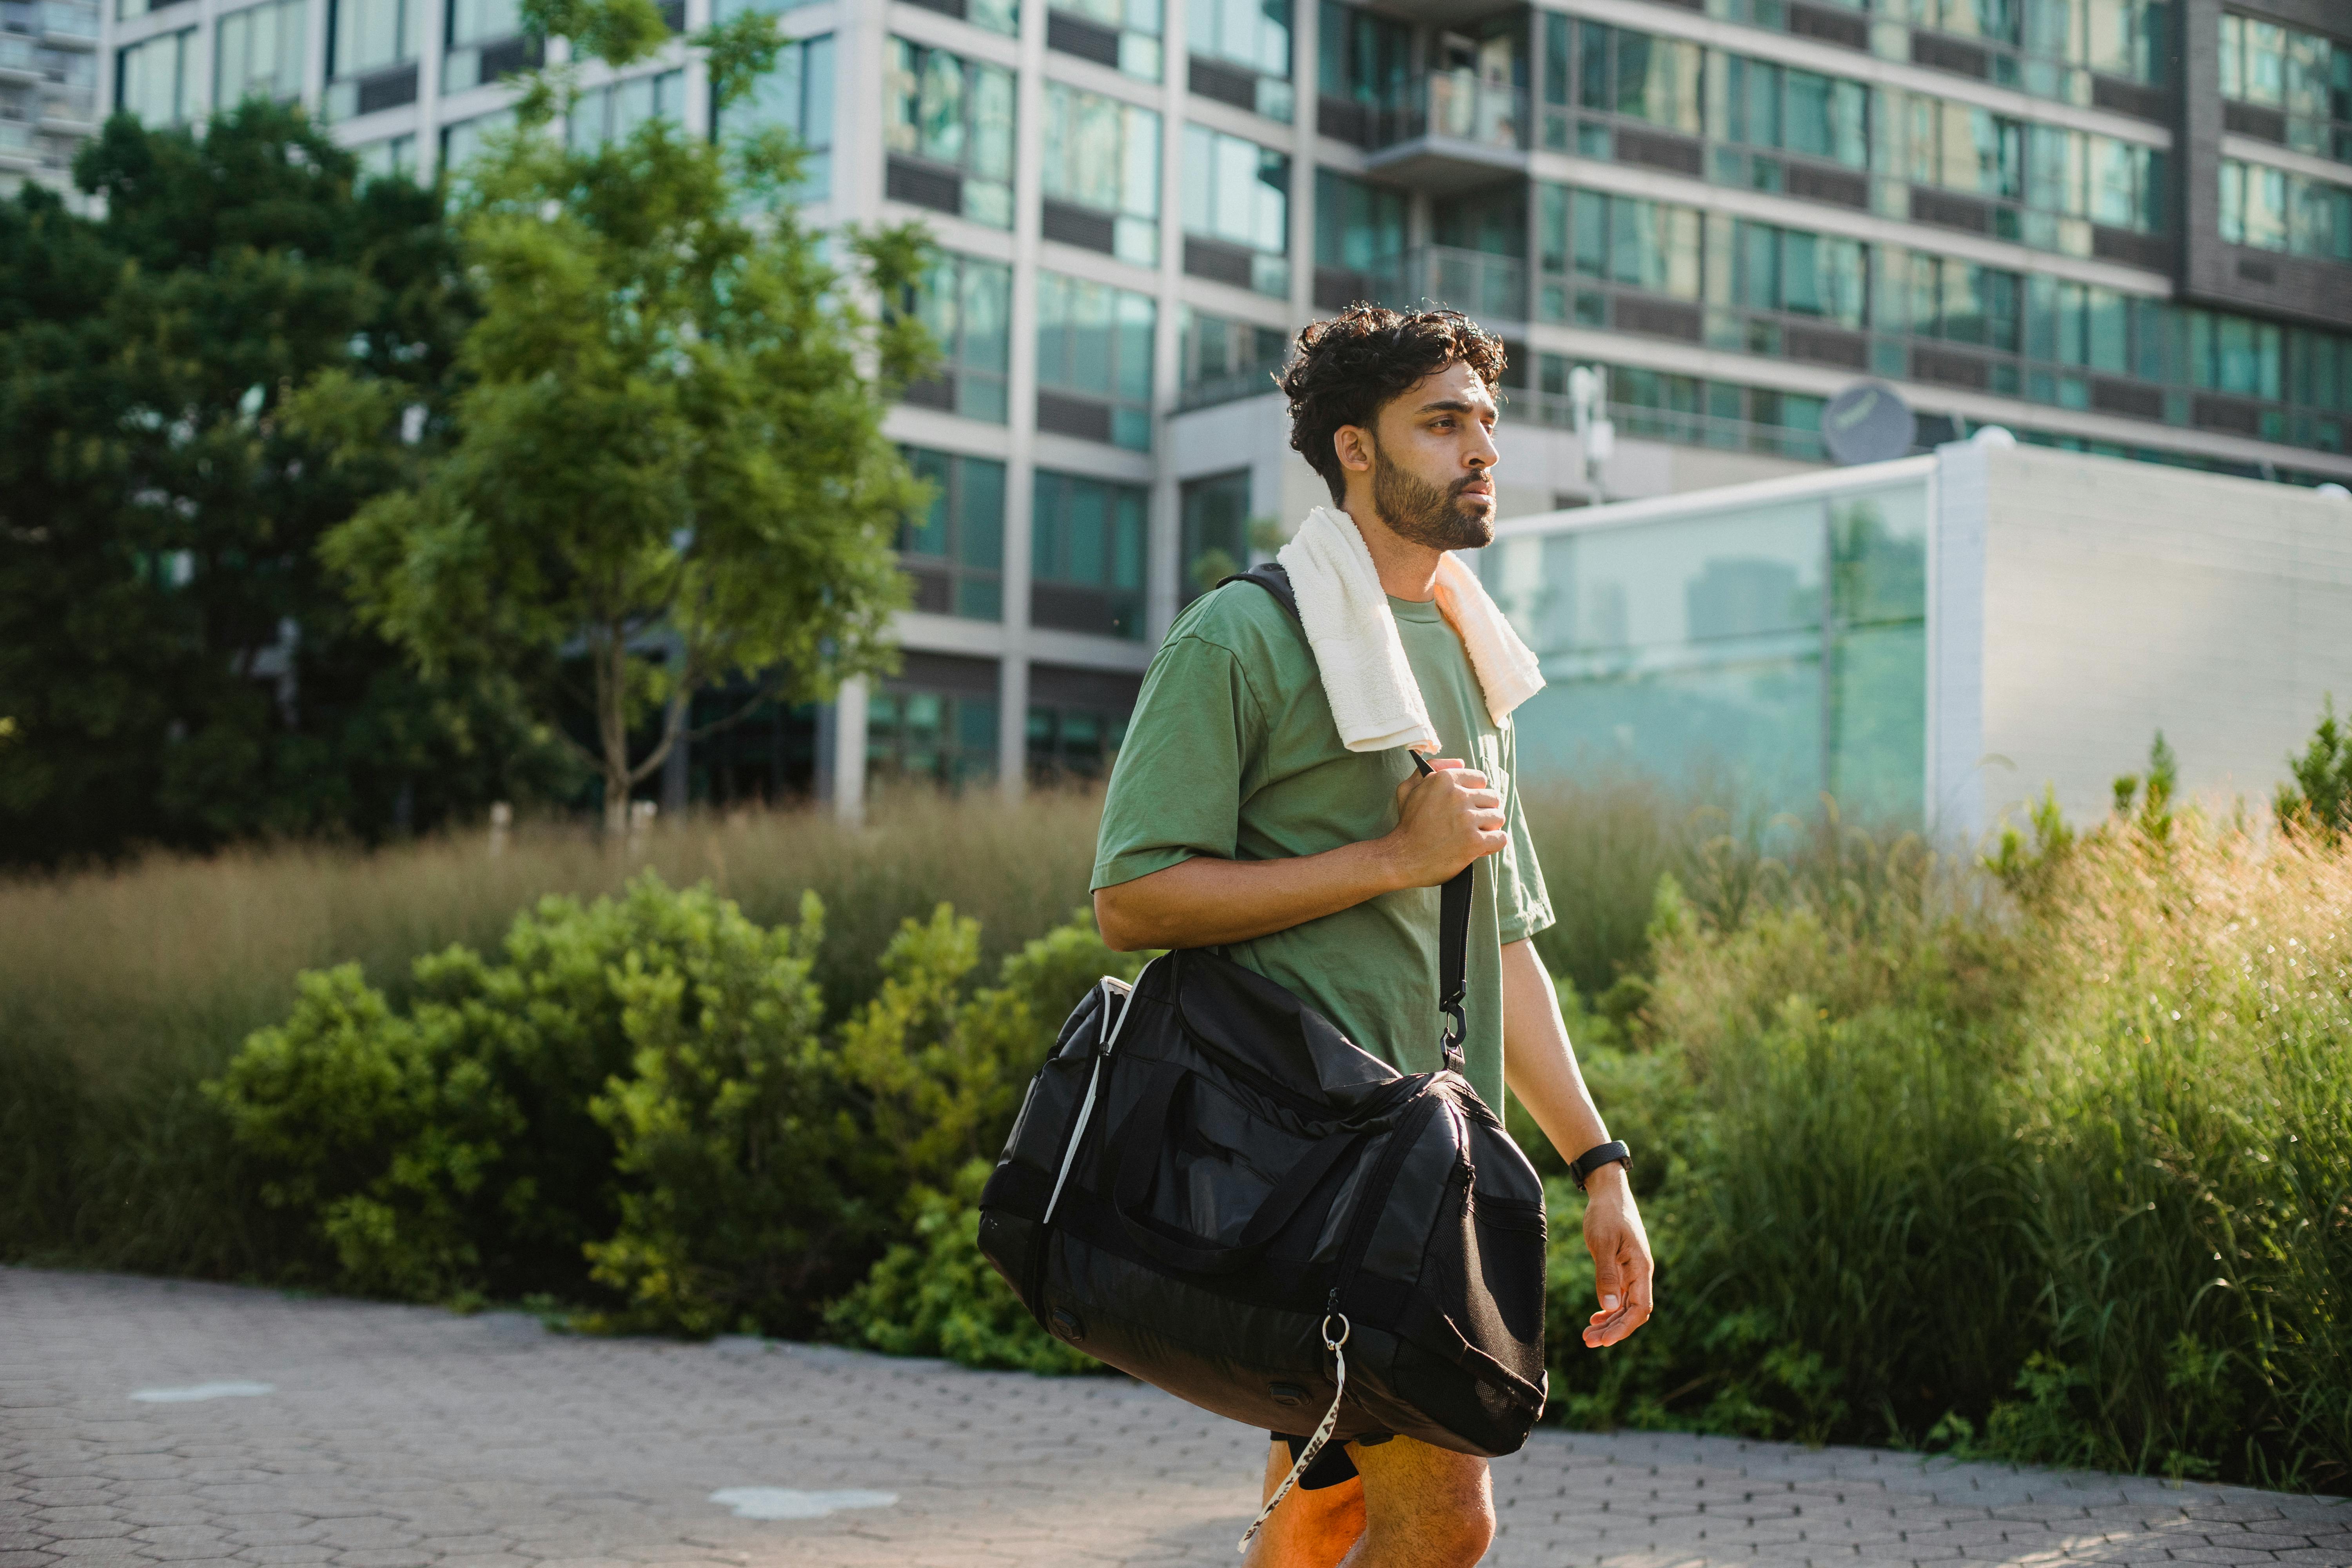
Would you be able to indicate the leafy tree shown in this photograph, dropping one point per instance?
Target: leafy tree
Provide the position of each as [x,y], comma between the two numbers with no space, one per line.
[178,666]
[669,470]
[2319,801]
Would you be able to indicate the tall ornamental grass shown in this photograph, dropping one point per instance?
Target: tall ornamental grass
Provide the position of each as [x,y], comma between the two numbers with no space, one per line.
[122,990]
[2062,1177]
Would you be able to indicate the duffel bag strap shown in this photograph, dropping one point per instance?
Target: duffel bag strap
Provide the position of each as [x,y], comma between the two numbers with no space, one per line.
[1136,1159]
[1453,951]
[1454,907]
[1336,1346]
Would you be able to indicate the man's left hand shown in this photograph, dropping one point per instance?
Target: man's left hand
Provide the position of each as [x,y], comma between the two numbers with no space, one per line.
[1622,1267]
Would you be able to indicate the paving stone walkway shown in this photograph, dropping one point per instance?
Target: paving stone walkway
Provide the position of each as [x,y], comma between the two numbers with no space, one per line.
[147,1421]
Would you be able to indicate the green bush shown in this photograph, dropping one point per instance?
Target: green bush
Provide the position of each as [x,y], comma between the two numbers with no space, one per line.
[636,1076]
[940,1079]
[936,1295]
[637,1106]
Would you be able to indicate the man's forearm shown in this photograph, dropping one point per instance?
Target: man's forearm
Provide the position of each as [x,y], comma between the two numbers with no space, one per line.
[1539,1062]
[1203,901]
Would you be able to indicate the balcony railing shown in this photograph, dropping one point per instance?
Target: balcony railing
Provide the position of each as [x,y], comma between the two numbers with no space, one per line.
[1231,387]
[1454,104]
[1684,427]
[1490,288]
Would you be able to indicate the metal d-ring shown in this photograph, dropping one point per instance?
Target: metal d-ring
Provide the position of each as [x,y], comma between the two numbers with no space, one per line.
[1345,1329]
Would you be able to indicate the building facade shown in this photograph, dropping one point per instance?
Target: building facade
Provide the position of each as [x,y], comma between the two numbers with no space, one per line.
[2119,226]
[49,87]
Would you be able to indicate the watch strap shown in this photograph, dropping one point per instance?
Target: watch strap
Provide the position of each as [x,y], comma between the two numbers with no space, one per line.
[1592,1159]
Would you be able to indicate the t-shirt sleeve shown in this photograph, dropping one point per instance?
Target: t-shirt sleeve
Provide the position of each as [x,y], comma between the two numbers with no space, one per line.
[1522,903]
[1176,790]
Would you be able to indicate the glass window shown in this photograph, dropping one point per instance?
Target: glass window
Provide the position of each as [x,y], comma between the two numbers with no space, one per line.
[1765,105]
[476,28]
[1104,154]
[1253,34]
[1621,71]
[1657,80]
[955,551]
[996,16]
[1802,274]
[1094,361]
[1223,360]
[1964,303]
[462,142]
[1123,33]
[1086,542]
[940,737]
[151,79]
[2127,184]
[371,34]
[2128,38]
[2273,209]
[1215,531]
[967,303]
[483,21]
[1238,192]
[797,96]
[1358,227]
[258,53]
[1361,57]
[614,113]
[1068,738]
[394,157]
[1622,239]
[958,113]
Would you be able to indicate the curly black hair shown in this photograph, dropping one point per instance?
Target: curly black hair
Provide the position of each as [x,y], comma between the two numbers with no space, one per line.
[1350,365]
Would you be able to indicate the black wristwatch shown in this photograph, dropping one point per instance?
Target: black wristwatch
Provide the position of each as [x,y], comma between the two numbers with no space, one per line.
[1594,1158]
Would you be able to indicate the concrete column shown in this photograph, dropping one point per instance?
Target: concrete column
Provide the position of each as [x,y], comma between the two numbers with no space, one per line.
[849,751]
[1020,446]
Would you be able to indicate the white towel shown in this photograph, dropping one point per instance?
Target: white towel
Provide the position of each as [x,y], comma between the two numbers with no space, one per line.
[1374,699]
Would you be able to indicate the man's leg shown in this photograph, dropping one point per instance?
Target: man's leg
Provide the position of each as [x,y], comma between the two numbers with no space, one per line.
[1415,1506]
[1424,1506]
[1311,1529]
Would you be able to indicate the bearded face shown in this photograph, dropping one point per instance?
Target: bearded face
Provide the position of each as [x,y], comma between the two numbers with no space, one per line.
[1437,517]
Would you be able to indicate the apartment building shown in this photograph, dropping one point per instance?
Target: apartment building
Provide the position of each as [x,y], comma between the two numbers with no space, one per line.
[2123,226]
[49,87]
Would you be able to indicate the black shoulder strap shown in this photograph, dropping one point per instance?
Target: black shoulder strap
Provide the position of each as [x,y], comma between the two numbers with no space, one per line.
[1453,903]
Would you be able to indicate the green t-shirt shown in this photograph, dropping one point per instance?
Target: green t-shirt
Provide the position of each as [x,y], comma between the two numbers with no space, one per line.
[1232,752]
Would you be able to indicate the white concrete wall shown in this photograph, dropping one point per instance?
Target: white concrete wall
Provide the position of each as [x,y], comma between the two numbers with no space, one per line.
[2121,598]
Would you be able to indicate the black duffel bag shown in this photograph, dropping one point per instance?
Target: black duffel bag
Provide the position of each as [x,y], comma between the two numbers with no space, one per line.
[1212,1189]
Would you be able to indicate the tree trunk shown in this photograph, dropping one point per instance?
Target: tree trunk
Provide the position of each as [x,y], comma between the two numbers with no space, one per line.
[613,730]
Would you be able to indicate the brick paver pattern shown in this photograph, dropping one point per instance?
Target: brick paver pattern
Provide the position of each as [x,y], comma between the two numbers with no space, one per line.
[411,1437]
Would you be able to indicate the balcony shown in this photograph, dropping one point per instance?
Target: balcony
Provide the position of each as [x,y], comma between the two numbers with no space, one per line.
[18,60]
[1489,288]
[1448,130]
[17,148]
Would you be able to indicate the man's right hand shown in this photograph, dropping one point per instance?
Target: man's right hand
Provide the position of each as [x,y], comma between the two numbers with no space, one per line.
[1446,819]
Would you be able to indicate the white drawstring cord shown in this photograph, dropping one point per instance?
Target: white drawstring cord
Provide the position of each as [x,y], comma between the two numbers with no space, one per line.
[1322,1432]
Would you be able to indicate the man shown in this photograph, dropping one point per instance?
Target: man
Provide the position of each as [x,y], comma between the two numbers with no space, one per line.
[1236,816]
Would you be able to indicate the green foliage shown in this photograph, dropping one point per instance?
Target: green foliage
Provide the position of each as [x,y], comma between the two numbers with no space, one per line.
[726,1137]
[595,1087]
[2025,868]
[639,1095]
[669,435]
[2319,798]
[936,1295]
[179,667]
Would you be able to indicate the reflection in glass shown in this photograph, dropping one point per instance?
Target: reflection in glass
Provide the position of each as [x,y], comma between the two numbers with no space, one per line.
[1778,648]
